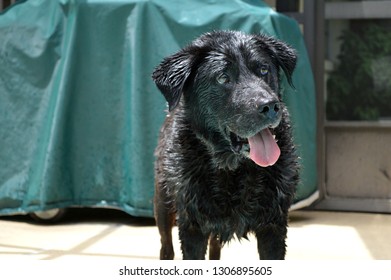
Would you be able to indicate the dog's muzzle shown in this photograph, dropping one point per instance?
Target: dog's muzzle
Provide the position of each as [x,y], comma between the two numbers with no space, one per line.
[261,147]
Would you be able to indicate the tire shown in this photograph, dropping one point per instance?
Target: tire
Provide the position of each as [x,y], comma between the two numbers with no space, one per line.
[49,216]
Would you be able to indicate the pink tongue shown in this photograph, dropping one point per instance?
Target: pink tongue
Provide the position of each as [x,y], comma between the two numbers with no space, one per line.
[264,150]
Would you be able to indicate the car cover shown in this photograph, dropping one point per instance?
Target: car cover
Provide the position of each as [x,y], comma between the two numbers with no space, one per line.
[79,112]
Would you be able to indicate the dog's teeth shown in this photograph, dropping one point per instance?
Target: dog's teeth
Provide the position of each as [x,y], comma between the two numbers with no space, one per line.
[274,136]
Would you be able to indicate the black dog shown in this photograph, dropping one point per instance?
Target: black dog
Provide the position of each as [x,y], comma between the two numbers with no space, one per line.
[226,163]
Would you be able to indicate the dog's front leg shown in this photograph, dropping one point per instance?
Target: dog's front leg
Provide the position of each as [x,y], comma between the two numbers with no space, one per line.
[165,220]
[271,242]
[214,247]
[193,242]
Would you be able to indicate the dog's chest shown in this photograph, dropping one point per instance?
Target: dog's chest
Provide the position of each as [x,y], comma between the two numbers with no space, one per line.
[228,202]
[237,193]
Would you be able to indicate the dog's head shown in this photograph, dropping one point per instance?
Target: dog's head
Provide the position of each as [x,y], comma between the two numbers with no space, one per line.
[230,85]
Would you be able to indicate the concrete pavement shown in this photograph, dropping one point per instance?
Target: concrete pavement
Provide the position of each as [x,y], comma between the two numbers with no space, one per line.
[112,234]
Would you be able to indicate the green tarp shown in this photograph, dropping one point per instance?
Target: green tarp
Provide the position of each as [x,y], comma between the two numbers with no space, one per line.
[79,113]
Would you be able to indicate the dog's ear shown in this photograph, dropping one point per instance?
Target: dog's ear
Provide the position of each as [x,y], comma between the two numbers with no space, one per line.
[284,56]
[171,74]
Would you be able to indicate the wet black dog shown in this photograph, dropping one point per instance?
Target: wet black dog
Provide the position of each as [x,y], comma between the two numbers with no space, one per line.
[226,163]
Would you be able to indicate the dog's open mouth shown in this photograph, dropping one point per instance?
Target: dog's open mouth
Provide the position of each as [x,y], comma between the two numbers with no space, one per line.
[261,148]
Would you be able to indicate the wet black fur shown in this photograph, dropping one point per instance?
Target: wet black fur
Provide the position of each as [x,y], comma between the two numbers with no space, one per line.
[205,181]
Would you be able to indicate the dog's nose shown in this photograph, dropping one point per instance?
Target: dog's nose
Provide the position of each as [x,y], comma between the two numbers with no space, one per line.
[270,110]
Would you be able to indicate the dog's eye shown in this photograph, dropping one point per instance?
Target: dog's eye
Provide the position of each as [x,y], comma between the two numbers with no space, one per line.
[264,70]
[222,79]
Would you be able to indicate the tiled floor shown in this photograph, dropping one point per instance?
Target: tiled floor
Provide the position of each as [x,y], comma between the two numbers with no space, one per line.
[103,233]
